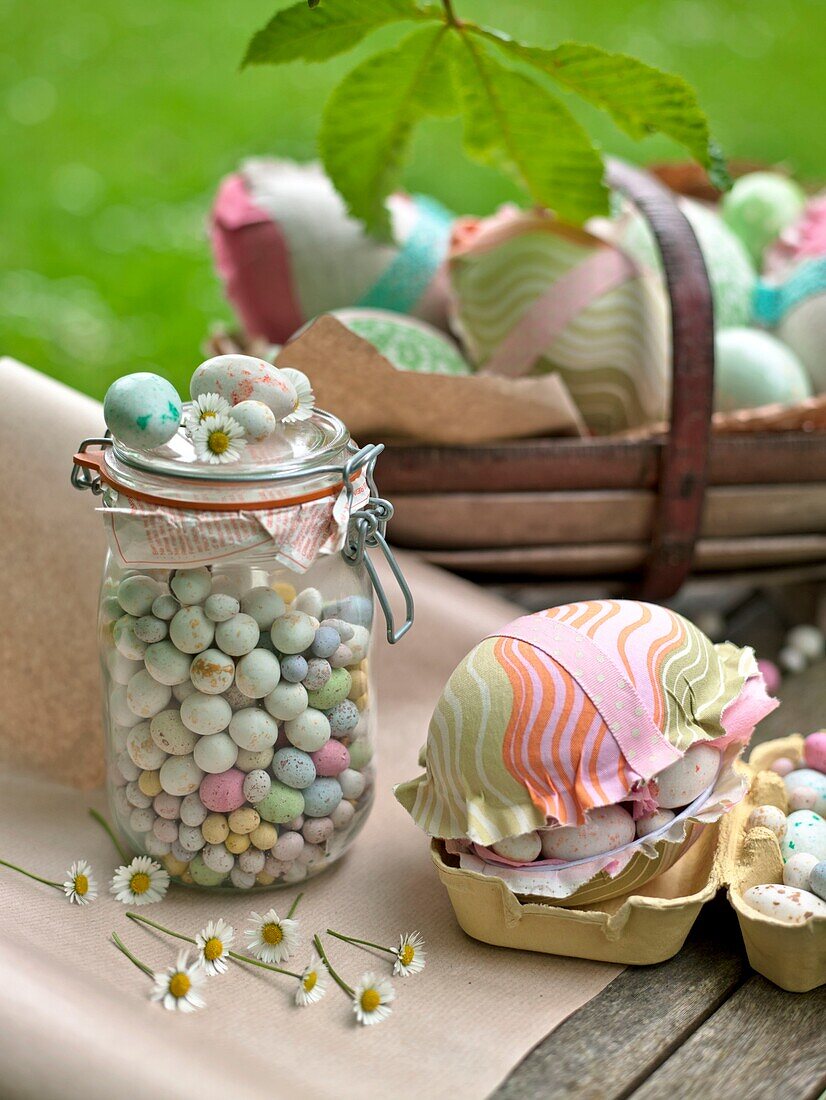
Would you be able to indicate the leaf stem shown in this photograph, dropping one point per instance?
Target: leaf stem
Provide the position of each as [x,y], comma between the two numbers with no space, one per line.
[154,924]
[294,905]
[107,828]
[28,874]
[263,965]
[363,943]
[340,982]
[450,14]
[121,946]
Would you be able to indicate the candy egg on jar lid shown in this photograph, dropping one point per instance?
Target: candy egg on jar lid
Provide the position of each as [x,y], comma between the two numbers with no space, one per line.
[601,727]
[244,378]
[143,410]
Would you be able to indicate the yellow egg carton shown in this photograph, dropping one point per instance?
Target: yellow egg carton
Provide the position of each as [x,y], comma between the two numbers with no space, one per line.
[651,924]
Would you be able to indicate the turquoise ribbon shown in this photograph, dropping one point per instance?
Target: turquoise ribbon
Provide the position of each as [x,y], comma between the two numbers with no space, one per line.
[406,279]
[771,303]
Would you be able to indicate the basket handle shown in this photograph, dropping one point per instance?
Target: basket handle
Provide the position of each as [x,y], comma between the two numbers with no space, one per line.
[684,457]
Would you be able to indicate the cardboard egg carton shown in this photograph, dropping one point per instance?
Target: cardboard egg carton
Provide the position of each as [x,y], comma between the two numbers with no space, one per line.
[651,924]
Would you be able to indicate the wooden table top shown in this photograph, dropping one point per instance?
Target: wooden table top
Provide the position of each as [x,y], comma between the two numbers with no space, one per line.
[702,1024]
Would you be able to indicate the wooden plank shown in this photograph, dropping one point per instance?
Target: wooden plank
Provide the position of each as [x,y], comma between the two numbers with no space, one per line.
[763,1043]
[615,1041]
[444,521]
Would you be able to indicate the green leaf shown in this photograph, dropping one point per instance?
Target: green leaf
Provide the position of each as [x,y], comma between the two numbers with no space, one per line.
[296,34]
[641,99]
[513,123]
[369,118]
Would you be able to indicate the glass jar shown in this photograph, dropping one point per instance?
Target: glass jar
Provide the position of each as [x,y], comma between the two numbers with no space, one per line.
[236,622]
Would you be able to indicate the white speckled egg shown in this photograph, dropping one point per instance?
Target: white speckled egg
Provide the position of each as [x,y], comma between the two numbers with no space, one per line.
[127,643]
[217,858]
[119,709]
[171,735]
[309,731]
[287,701]
[253,729]
[519,849]
[155,847]
[216,753]
[212,671]
[191,586]
[686,779]
[263,605]
[241,879]
[250,760]
[205,714]
[808,777]
[167,664]
[238,635]
[165,607]
[310,601]
[190,838]
[137,593]
[191,631]
[143,410]
[141,821]
[145,696]
[797,870]
[352,783]
[256,418]
[240,378]
[607,827]
[805,832]
[180,775]
[768,817]
[136,796]
[149,629]
[256,785]
[343,814]
[165,829]
[220,606]
[652,822]
[252,861]
[784,903]
[359,644]
[293,632]
[257,673]
[142,748]
[193,811]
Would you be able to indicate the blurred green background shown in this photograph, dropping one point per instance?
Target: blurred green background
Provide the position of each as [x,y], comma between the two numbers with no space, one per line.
[118,118]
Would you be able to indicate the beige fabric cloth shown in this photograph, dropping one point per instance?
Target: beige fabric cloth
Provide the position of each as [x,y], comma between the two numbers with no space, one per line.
[75,1020]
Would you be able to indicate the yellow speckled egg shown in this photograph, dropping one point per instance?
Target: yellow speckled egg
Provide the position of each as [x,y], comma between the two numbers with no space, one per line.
[243,821]
[237,843]
[215,829]
[264,836]
[150,783]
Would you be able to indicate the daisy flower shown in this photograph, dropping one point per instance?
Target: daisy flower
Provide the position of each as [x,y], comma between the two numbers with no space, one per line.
[177,986]
[205,407]
[219,439]
[371,999]
[140,882]
[80,887]
[410,955]
[271,938]
[213,943]
[305,398]
[312,984]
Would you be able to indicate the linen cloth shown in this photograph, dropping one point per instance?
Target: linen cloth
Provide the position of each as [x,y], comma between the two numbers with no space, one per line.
[75,1019]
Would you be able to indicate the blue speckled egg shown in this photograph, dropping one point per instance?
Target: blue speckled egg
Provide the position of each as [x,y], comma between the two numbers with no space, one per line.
[322,797]
[817,879]
[805,832]
[142,410]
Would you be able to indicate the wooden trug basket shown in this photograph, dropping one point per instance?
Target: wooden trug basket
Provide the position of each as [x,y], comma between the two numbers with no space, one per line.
[647,508]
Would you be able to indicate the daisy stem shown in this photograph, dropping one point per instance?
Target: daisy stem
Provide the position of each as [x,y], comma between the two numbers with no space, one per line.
[121,946]
[340,982]
[28,874]
[263,965]
[363,943]
[294,905]
[107,828]
[160,927]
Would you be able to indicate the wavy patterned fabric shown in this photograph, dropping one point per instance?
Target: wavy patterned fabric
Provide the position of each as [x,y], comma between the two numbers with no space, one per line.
[522,739]
[612,351]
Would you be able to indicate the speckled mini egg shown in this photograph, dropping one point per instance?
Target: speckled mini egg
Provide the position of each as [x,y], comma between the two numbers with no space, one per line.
[256,418]
[317,672]
[294,669]
[212,672]
[165,830]
[814,751]
[252,861]
[607,828]
[191,631]
[331,759]
[202,875]
[651,823]
[797,870]
[167,806]
[165,607]
[219,607]
[193,811]
[241,879]
[343,815]
[127,767]
[249,761]
[264,837]
[281,804]
[318,830]
[142,749]
[119,709]
[687,778]
[135,795]
[759,206]
[191,586]
[215,828]
[322,797]
[257,673]
[244,820]
[519,849]
[142,410]
[309,731]
[768,817]
[205,714]
[352,783]
[141,821]
[805,832]
[215,754]
[167,664]
[286,701]
[326,642]
[237,636]
[335,691]
[180,775]
[190,838]
[817,880]
[121,668]
[150,783]
[784,903]
[149,629]
[127,643]
[804,798]
[183,691]
[264,605]
[808,777]
[294,768]
[223,792]
[361,753]
[145,696]
[310,601]
[253,729]
[240,378]
[154,847]
[343,718]
[359,644]
[753,368]
[218,858]
[256,785]
[137,593]
[293,632]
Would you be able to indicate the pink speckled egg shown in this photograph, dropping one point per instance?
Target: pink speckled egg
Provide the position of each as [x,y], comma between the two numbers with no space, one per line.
[814,751]
[245,378]
[803,798]
[331,759]
[223,792]
[771,675]
[782,765]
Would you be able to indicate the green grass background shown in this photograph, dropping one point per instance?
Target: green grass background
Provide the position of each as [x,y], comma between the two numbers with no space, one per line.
[118,118]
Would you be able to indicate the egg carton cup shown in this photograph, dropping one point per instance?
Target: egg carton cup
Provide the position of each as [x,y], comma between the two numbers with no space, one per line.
[650,921]
[589,880]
